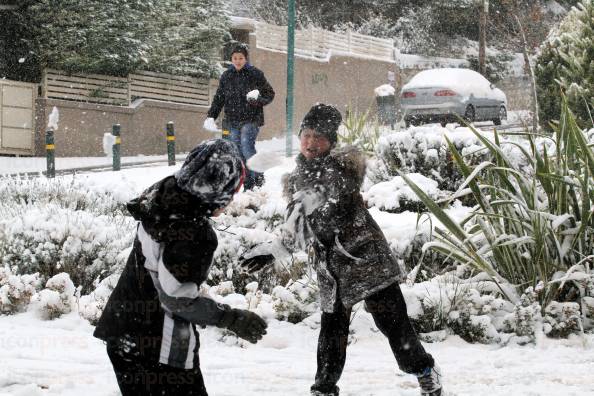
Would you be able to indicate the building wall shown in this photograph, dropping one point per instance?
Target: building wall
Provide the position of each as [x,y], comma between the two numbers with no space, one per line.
[82,125]
[341,80]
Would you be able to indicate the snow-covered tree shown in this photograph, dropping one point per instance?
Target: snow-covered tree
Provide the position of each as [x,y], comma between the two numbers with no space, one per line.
[113,37]
[187,37]
[566,64]
[101,36]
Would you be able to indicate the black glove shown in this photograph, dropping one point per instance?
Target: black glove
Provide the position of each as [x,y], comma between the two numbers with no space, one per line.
[256,263]
[244,324]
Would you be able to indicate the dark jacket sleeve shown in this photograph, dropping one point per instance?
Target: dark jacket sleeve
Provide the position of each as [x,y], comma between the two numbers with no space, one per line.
[218,101]
[202,311]
[266,91]
[188,259]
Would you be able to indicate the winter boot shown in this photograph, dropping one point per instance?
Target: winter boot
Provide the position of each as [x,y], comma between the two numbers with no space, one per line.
[430,381]
[320,393]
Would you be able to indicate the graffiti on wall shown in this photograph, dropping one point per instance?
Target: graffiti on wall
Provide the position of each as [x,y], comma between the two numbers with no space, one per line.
[320,79]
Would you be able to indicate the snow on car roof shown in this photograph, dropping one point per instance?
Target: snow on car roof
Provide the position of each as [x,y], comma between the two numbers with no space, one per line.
[462,81]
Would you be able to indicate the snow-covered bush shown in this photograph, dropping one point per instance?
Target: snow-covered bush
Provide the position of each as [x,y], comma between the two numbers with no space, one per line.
[526,319]
[424,150]
[471,317]
[16,290]
[562,319]
[396,196]
[295,302]
[252,218]
[91,306]
[541,222]
[51,239]
[17,192]
[52,226]
[57,298]
[565,65]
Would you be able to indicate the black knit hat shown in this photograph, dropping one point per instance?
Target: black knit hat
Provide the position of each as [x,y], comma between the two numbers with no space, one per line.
[324,119]
[240,49]
[213,172]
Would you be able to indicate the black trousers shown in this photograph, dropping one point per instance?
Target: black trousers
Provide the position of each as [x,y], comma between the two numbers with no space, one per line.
[388,309]
[137,377]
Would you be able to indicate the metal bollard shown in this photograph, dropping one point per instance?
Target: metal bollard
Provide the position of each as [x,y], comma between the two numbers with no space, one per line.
[225,133]
[171,143]
[117,162]
[50,154]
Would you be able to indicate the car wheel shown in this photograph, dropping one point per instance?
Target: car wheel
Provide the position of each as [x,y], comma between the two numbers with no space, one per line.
[502,116]
[469,113]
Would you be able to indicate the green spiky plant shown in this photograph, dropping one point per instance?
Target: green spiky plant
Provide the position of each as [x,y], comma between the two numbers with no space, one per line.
[360,130]
[530,226]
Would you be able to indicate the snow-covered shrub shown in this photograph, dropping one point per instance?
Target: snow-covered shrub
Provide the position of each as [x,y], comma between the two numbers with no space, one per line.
[588,312]
[62,225]
[295,302]
[565,65]
[91,306]
[472,328]
[541,223]
[561,319]
[73,194]
[424,150]
[49,239]
[396,196]
[471,317]
[526,317]
[251,219]
[57,298]
[16,290]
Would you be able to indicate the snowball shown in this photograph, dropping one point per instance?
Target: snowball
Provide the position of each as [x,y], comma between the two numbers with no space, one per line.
[108,142]
[265,160]
[54,118]
[253,95]
[384,90]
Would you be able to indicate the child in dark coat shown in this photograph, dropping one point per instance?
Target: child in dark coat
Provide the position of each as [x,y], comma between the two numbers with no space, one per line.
[148,322]
[328,217]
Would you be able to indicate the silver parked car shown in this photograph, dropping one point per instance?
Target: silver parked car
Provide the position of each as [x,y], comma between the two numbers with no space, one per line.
[443,95]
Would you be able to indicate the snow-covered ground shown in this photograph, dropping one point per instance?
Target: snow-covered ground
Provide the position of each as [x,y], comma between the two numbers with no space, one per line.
[60,357]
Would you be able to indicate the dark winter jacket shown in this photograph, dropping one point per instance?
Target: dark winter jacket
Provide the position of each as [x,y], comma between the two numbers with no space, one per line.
[173,231]
[233,87]
[353,259]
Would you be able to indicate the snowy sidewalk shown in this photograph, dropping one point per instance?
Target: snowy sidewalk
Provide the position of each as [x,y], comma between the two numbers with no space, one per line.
[61,357]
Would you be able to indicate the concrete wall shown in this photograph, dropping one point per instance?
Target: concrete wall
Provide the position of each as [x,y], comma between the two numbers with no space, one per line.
[82,126]
[342,81]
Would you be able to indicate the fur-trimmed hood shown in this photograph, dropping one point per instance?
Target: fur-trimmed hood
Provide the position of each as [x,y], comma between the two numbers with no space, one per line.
[349,158]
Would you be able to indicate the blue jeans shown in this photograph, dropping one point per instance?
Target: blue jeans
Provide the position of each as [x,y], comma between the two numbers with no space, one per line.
[244,138]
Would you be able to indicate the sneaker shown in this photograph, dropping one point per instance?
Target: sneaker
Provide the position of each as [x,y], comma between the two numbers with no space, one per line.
[430,381]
